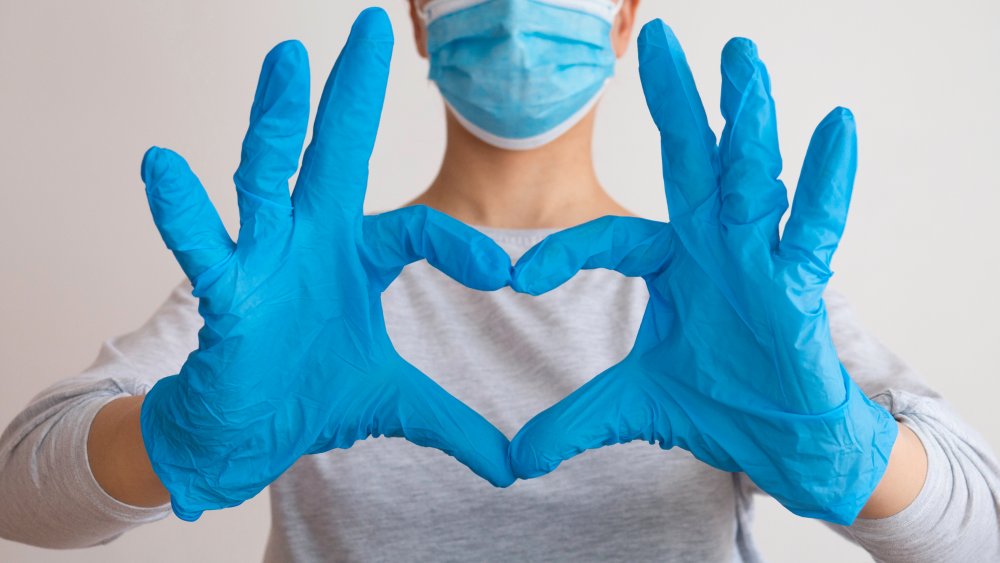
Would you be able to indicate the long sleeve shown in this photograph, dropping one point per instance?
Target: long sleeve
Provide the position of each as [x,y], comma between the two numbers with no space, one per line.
[956,516]
[50,497]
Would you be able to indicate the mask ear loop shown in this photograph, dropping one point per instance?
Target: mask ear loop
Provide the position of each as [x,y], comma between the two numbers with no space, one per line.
[604,9]
[424,12]
[437,8]
[617,8]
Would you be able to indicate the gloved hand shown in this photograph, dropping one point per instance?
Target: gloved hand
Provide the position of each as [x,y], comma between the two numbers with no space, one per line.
[294,357]
[734,360]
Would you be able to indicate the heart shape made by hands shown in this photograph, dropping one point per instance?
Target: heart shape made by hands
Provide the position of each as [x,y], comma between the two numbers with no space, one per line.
[733,360]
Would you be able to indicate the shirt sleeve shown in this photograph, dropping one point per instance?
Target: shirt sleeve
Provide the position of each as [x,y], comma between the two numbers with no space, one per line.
[50,497]
[956,515]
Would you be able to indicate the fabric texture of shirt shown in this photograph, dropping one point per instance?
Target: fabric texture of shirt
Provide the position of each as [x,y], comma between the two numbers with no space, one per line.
[508,356]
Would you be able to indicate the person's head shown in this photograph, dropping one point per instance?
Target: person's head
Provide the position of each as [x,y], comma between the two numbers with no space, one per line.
[517,74]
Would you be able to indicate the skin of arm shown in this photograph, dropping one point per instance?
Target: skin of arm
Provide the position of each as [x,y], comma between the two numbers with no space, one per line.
[118,457]
[903,478]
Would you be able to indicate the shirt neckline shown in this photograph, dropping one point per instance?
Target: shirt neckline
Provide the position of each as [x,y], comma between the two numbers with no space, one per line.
[507,234]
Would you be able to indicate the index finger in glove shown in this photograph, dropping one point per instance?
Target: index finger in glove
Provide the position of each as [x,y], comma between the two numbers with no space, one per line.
[628,245]
[397,238]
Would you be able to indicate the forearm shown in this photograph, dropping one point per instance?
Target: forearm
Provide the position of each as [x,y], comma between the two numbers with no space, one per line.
[118,458]
[903,478]
[51,497]
[956,513]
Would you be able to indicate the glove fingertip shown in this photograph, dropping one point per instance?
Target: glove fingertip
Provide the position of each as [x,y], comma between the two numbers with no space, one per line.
[290,51]
[373,24]
[503,481]
[839,117]
[524,279]
[843,113]
[519,281]
[739,69]
[739,47]
[182,513]
[493,265]
[655,33]
[543,268]
[525,460]
[154,165]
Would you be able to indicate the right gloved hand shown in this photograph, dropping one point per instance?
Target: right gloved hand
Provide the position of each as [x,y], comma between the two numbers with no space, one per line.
[294,357]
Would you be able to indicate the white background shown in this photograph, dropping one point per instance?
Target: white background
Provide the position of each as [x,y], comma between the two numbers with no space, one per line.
[85,87]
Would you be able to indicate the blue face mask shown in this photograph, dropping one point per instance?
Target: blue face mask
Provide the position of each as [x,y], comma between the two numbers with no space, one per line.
[519,73]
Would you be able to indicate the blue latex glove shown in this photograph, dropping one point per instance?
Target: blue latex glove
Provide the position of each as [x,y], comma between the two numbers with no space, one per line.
[294,357]
[734,360]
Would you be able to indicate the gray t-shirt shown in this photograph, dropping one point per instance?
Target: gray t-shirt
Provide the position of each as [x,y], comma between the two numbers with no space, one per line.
[508,356]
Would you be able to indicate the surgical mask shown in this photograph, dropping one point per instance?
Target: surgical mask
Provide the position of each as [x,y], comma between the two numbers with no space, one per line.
[519,73]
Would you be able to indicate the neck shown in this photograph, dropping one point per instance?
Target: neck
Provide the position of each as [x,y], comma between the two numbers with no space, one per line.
[553,186]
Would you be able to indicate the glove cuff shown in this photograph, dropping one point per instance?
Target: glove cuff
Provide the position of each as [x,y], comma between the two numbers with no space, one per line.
[835,459]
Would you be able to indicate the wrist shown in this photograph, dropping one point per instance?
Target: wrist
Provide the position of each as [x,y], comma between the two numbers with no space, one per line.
[118,457]
[903,478]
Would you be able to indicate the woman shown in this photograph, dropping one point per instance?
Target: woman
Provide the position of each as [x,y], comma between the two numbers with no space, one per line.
[290,327]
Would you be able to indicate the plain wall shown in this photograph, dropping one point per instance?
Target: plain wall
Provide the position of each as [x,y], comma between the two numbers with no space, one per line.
[86,87]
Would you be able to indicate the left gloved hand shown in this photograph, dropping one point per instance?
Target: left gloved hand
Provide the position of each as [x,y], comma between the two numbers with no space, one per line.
[734,360]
